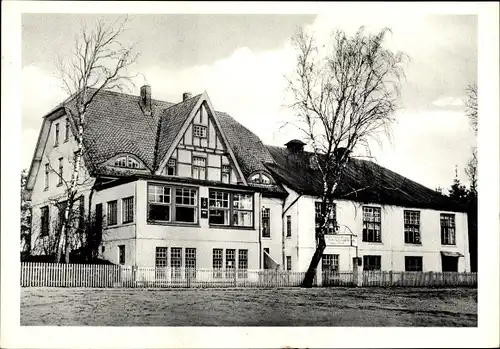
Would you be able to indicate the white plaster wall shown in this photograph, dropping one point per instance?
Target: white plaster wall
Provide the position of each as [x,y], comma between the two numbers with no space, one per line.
[274,242]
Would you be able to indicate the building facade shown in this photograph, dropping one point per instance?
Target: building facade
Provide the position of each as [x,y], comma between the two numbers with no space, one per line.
[182,185]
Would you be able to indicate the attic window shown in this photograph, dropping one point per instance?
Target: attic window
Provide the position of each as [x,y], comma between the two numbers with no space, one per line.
[260,178]
[127,161]
[200,131]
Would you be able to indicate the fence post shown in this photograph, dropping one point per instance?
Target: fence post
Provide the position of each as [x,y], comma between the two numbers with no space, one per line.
[234,277]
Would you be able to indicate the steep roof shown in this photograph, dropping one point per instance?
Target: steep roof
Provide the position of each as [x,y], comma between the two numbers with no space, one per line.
[363,181]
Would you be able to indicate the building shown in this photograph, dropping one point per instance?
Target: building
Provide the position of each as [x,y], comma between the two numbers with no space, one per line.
[183,185]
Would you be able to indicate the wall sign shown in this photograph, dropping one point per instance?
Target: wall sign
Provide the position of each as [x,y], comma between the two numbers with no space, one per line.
[204,213]
[204,203]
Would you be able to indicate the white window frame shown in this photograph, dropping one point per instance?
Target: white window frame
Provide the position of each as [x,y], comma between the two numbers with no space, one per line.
[232,199]
[372,216]
[200,131]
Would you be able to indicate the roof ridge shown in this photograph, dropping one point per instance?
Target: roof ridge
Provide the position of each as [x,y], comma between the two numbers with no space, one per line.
[181,102]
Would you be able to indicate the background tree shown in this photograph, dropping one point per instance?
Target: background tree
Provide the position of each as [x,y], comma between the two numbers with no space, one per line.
[99,61]
[342,99]
[25,215]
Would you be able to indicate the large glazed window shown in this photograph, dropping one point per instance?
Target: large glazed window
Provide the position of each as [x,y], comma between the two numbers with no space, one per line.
[172,204]
[230,209]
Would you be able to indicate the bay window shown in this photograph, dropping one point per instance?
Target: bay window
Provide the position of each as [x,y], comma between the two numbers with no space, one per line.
[230,209]
[172,204]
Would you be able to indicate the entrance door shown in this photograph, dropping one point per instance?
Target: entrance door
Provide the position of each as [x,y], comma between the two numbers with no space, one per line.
[449,264]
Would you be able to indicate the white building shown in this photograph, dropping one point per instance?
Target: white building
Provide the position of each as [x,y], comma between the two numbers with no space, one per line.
[184,185]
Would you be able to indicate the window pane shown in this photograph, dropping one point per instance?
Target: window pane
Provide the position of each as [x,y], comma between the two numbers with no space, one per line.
[218,199]
[185,214]
[242,218]
[159,212]
[243,201]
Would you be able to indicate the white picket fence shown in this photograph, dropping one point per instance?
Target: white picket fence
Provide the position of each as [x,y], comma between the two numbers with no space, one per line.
[117,276]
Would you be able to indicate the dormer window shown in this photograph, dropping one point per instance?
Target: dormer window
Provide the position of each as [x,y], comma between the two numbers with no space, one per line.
[200,131]
[127,161]
[260,178]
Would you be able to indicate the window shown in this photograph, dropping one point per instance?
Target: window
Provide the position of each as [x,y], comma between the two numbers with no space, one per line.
[371,224]
[217,262]
[191,262]
[371,262]
[413,263]
[60,172]
[226,174]
[66,131]
[330,262]
[230,261]
[412,227]
[288,262]
[266,229]
[44,221]
[56,138]
[171,167]
[288,226]
[242,263]
[121,254]
[159,202]
[61,208]
[186,203]
[447,229]
[199,167]
[112,212]
[231,209]
[176,261]
[172,204]
[161,261]
[332,218]
[128,210]
[81,207]
[47,171]
[200,131]
[127,161]
[260,178]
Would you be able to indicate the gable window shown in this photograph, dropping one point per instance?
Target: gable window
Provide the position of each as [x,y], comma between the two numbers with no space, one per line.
[200,131]
[66,131]
[372,263]
[128,210]
[260,178]
[447,229]
[44,221]
[413,263]
[288,226]
[172,204]
[171,167]
[217,262]
[126,161]
[199,167]
[121,254]
[412,227]
[332,218]
[230,209]
[266,229]
[56,137]
[60,172]
[371,224]
[47,171]
[330,262]
[113,212]
[226,174]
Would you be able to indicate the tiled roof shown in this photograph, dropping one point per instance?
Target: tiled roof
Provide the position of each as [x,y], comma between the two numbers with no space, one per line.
[363,181]
[171,122]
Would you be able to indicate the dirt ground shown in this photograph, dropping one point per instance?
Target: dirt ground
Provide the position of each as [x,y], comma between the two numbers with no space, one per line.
[249,307]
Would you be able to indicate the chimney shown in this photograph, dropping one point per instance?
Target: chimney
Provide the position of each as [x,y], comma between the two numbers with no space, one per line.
[295,146]
[340,151]
[145,101]
[186,95]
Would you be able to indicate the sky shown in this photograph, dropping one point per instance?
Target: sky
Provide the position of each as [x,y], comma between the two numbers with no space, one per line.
[242,60]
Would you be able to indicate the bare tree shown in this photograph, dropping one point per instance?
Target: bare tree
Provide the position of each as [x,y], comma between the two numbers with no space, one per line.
[342,100]
[99,61]
[25,215]
[471,105]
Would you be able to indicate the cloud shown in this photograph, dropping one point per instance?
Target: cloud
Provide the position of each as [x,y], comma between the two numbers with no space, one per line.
[448,102]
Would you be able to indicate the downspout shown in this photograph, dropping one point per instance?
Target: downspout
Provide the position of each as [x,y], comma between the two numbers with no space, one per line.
[260,230]
[283,229]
